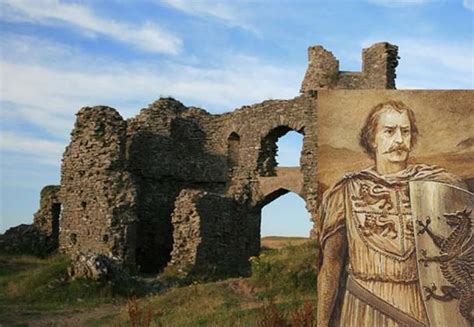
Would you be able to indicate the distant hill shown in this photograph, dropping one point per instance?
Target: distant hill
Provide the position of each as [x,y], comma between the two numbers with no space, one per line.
[466,144]
[278,242]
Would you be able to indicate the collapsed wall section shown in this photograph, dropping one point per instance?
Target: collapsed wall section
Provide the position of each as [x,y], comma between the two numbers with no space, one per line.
[259,127]
[271,121]
[97,192]
[209,234]
[41,237]
[49,213]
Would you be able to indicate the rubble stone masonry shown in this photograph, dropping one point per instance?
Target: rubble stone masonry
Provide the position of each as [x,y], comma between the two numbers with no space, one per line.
[178,186]
[97,192]
[209,234]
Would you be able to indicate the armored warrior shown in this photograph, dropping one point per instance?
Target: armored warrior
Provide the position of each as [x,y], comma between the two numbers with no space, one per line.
[368,266]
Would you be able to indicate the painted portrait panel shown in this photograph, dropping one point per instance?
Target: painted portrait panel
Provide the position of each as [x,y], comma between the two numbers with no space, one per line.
[396,219]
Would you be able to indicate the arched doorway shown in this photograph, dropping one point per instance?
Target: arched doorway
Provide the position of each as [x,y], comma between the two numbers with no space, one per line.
[282,210]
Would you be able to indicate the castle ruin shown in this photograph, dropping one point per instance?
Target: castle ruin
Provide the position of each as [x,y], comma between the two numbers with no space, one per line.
[177,186]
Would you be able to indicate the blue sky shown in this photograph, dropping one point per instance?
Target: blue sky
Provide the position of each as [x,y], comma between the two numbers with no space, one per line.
[57,56]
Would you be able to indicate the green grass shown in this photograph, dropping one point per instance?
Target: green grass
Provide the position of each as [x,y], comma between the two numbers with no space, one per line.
[283,281]
[209,304]
[284,274]
[199,305]
[41,283]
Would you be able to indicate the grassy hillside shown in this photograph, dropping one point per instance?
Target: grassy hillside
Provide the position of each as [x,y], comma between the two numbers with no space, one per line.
[278,242]
[280,292]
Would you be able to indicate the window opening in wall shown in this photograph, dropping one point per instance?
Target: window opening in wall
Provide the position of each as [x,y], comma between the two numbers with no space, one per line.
[73,238]
[233,143]
[281,147]
[289,148]
[284,215]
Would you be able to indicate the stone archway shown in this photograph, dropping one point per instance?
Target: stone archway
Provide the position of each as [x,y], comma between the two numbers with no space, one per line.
[286,179]
[283,213]
[274,181]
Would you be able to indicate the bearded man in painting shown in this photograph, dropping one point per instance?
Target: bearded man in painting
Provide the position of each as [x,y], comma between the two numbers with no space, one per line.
[368,266]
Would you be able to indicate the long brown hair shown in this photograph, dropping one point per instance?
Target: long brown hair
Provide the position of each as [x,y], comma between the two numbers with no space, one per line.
[367,133]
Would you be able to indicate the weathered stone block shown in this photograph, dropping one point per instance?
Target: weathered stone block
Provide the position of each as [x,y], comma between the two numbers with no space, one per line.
[208,233]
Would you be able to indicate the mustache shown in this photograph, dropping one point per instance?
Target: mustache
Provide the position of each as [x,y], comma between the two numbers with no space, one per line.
[398,147]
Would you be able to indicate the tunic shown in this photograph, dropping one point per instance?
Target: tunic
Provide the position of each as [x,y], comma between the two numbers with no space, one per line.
[375,212]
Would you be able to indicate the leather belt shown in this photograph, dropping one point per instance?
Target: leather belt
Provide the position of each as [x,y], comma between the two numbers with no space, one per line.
[381,305]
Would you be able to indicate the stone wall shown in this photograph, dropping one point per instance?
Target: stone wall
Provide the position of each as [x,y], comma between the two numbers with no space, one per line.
[259,127]
[178,185]
[378,70]
[40,238]
[209,234]
[48,215]
[26,239]
[170,148]
[97,192]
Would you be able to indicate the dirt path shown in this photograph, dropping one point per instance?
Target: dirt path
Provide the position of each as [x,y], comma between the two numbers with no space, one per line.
[15,315]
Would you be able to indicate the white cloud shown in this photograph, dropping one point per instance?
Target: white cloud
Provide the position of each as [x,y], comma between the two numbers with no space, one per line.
[429,64]
[25,48]
[46,151]
[41,91]
[468,4]
[241,82]
[219,10]
[47,95]
[148,37]
[43,83]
